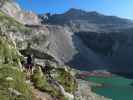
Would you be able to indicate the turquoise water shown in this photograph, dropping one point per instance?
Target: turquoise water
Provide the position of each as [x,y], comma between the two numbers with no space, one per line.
[116,87]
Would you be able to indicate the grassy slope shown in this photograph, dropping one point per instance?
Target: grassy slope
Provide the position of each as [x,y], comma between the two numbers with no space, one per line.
[18,83]
[9,63]
[10,69]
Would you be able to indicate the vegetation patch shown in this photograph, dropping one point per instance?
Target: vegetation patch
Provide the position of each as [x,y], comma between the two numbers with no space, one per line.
[40,81]
[66,80]
[13,85]
[8,52]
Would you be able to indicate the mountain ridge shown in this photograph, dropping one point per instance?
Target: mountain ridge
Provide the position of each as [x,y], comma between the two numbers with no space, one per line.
[93,12]
[105,39]
[78,20]
[80,12]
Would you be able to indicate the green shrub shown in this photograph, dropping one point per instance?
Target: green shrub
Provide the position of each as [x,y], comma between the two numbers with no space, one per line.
[8,52]
[62,76]
[40,81]
[17,82]
[66,80]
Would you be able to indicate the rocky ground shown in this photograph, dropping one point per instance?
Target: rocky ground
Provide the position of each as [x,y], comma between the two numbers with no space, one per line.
[84,92]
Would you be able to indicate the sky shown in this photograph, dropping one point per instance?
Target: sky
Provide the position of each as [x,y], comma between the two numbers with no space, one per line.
[121,8]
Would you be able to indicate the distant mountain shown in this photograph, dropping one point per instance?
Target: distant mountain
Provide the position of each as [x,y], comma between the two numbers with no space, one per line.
[100,41]
[80,20]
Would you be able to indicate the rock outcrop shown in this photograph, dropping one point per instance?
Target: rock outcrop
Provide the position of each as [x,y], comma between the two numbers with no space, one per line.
[84,92]
[13,9]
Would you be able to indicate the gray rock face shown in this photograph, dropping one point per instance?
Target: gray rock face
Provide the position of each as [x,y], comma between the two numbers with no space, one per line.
[84,92]
[61,44]
[13,9]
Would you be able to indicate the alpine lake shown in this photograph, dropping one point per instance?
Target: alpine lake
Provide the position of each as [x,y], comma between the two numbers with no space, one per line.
[115,87]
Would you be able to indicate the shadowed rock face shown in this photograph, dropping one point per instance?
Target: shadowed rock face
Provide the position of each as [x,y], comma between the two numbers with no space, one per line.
[37,54]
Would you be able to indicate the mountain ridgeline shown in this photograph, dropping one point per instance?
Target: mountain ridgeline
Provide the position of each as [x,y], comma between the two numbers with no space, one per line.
[95,41]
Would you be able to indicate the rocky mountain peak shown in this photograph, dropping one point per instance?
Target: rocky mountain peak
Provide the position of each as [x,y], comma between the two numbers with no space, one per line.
[95,13]
[74,11]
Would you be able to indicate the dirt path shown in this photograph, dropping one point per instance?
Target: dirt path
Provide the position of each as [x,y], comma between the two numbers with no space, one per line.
[41,95]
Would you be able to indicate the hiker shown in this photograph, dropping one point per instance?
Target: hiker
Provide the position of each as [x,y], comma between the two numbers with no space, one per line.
[29,65]
[47,69]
